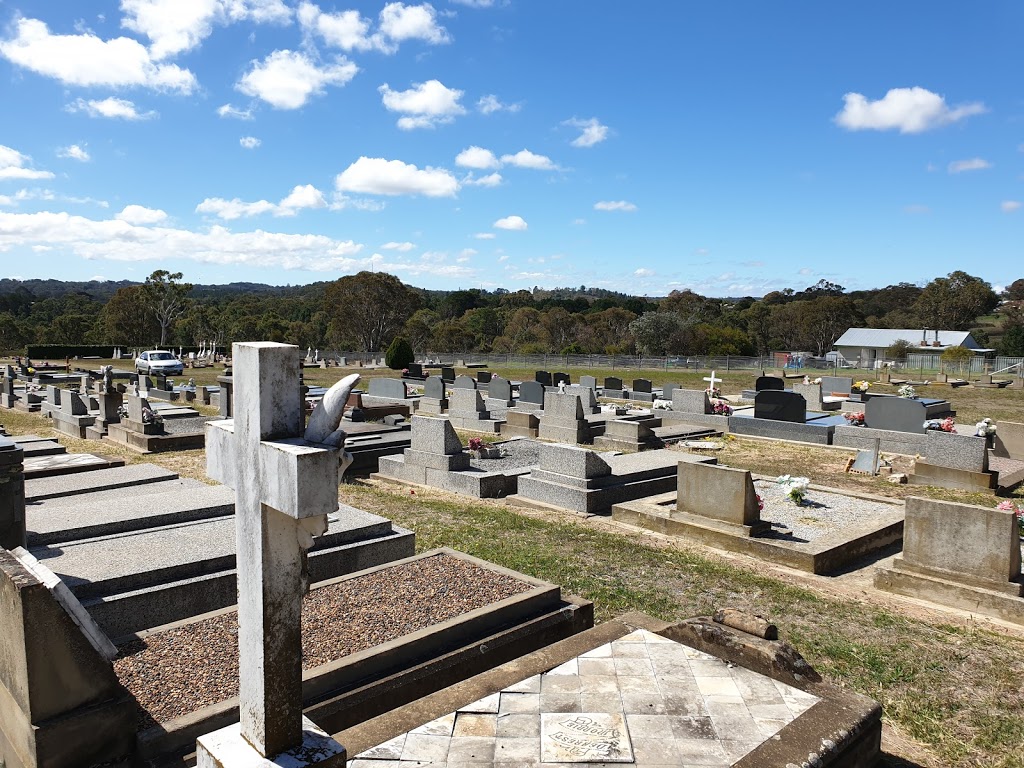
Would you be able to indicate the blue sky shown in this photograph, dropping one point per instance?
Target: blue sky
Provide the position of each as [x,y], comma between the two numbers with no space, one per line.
[730,148]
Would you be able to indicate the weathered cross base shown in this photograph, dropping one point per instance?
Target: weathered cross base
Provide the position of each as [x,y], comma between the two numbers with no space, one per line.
[227,748]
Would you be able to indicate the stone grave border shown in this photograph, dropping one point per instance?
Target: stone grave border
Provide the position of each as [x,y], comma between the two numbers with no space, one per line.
[374,680]
[826,555]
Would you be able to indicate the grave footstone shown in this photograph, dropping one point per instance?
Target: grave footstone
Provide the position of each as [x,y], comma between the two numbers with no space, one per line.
[779,405]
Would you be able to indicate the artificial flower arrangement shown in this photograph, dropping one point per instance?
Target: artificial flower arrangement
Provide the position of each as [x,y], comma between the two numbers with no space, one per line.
[760,503]
[985,428]
[907,391]
[483,450]
[721,408]
[714,392]
[942,425]
[854,418]
[795,487]
[862,386]
[1017,509]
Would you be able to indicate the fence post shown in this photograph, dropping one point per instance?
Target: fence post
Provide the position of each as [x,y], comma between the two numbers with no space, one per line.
[727,363]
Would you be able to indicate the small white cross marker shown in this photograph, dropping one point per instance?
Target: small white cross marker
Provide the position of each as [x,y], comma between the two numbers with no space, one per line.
[712,381]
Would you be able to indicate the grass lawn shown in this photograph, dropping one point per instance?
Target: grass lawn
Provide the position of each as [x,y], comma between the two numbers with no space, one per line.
[952,689]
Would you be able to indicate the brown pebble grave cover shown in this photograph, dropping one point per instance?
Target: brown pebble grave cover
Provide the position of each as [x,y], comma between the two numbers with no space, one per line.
[179,671]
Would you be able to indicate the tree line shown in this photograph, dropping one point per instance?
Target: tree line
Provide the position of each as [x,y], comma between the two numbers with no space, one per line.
[365,312]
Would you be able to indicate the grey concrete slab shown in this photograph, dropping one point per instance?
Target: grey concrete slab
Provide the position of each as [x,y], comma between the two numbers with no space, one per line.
[103,479]
[67,464]
[42,448]
[54,523]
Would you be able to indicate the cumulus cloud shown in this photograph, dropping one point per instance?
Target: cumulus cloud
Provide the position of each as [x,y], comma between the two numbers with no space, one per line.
[524,158]
[399,23]
[139,214]
[287,79]
[1009,206]
[474,3]
[644,272]
[593,132]
[514,223]
[490,104]
[228,110]
[117,109]
[490,180]
[477,157]
[484,235]
[302,196]
[74,152]
[86,60]
[377,176]
[249,142]
[13,166]
[400,247]
[351,31]
[425,105]
[119,240]
[908,110]
[974,164]
[173,26]
[614,205]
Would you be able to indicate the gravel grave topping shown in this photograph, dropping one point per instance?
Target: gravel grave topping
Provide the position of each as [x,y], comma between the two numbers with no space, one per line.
[821,514]
[179,671]
[520,455]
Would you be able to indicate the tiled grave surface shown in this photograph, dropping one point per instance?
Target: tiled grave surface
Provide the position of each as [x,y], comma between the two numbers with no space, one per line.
[642,699]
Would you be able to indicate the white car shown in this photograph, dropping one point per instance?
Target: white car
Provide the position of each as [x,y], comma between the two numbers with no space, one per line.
[158,362]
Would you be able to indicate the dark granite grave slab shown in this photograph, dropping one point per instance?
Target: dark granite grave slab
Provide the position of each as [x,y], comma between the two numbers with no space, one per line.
[763,383]
[613,382]
[543,377]
[433,387]
[532,392]
[642,385]
[558,377]
[483,377]
[448,374]
[499,388]
[393,389]
[900,414]
[779,405]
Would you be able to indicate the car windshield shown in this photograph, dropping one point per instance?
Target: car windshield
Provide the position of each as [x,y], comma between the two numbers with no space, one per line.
[161,356]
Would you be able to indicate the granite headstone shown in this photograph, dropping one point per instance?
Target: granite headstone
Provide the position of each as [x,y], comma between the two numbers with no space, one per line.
[779,405]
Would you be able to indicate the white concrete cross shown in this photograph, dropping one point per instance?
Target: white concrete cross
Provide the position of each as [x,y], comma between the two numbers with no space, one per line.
[285,487]
[712,381]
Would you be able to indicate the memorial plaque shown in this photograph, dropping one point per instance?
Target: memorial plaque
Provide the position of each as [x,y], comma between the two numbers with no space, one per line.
[532,392]
[589,737]
[543,377]
[762,383]
[776,405]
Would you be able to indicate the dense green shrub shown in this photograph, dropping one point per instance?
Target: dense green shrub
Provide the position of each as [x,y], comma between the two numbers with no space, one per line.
[399,354]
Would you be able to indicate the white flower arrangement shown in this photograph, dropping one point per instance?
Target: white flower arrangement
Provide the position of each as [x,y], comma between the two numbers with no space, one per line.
[795,487]
[985,427]
[907,391]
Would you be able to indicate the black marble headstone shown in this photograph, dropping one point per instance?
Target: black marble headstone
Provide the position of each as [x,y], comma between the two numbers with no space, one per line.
[779,405]
[393,388]
[433,387]
[464,382]
[588,381]
[763,383]
[499,389]
[642,385]
[900,414]
[483,377]
[415,370]
[613,382]
[448,374]
[558,377]
[531,392]
[543,377]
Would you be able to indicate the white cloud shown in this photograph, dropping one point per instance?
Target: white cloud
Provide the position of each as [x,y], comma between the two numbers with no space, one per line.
[228,110]
[466,254]
[593,132]
[484,235]
[174,26]
[74,152]
[614,205]
[1009,206]
[347,30]
[524,158]
[12,166]
[302,196]
[503,257]
[86,60]
[118,240]
[474,3]
[477,157]
[139,214]
[400,247]
[287,79]
[490,180]
[974,164]
[109,107]
[249,142]
[804,271]
[425,105]
[644,272]
[377,176]
[908,110]
[490,104]
[514,223]
[400,22]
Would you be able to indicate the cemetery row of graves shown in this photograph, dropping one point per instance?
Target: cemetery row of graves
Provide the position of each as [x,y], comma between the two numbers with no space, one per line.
[530,567]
